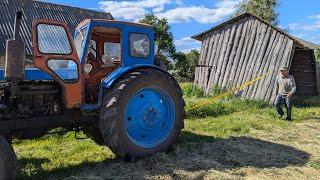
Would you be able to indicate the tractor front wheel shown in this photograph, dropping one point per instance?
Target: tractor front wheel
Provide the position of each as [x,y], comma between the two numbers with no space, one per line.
[8,160]
[142,114]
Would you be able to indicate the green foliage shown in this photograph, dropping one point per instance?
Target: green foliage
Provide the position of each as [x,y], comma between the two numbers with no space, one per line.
[184,67]
[222,107]
[307,102]
[318,54]
[192,91]
[215,90]
[265,9]
[162,35]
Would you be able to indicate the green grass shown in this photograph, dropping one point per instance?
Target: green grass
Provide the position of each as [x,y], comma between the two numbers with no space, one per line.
[58,156]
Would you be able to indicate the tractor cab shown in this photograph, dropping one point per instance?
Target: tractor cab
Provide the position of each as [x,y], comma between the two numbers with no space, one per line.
[97,49]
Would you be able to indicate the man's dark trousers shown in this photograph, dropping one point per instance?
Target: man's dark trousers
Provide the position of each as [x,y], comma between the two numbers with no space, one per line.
[283,98]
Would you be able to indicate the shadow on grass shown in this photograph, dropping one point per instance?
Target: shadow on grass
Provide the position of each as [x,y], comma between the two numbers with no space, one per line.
[193,153]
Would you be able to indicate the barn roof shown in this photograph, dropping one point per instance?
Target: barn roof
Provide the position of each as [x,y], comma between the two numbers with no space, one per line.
[39,10]
[298,41]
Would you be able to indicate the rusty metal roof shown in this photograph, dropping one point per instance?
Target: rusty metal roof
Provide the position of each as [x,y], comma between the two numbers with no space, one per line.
[39,10]
[300,42]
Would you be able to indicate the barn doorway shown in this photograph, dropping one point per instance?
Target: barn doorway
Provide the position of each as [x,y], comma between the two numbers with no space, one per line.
[303,69]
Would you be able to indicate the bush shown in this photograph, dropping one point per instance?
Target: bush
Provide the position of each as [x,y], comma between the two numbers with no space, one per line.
[190,90]
[313,101]
[221,107]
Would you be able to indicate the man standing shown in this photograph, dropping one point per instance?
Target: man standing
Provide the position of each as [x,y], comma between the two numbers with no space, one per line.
[286,87]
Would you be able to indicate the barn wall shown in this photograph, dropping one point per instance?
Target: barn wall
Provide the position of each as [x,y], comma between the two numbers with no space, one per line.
[304,71]
[240,52]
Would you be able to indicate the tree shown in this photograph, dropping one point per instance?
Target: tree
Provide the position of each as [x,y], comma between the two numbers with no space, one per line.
[163,36]
[265,9]
[185,65]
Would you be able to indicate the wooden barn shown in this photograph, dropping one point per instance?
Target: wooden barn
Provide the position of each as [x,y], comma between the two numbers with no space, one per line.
[247,47]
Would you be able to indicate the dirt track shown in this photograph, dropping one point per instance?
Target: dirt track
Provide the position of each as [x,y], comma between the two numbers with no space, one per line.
[283,153]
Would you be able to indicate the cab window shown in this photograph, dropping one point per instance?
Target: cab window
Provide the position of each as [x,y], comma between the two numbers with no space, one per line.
[139,45]
[112,53]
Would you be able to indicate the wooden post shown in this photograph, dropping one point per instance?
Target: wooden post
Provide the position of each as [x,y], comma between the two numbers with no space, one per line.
[259,66]
[243,61]
[239,51]
[222,53]
[233,54]
[215,62]
[273,41]
[254,57]
[245,67]
[278,62]
[271,66]
[284,60]
[226,58]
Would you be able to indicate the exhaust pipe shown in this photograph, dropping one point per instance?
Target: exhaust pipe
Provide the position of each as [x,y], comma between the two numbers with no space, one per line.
[15,54]
[17,23]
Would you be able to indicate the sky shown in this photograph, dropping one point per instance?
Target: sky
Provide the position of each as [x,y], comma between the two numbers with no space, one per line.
[191,17]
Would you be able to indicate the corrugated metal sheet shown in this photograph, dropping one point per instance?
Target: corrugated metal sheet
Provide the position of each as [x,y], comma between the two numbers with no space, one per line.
[39,10]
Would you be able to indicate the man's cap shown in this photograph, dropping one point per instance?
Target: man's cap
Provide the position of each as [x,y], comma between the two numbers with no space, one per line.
[284,68]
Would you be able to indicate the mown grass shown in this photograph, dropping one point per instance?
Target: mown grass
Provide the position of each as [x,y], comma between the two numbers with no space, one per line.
[211,125]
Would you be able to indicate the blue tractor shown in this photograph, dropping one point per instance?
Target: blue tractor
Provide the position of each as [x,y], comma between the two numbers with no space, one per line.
[104,81]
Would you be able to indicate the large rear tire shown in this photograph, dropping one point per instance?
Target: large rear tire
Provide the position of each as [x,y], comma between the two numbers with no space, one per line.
[8,160]
[142,114]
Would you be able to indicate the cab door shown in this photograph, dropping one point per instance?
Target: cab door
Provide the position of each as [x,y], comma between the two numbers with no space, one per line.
[55,54]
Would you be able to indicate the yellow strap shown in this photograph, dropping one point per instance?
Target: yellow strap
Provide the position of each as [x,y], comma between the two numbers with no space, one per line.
[211,100]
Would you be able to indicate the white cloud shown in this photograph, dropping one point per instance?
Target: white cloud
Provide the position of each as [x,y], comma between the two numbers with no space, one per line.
[186,41]
[201,14]
[317,16]
[190,49]
[134,10]
[307,27]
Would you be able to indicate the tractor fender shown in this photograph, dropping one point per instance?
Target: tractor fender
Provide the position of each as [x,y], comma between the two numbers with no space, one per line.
[115,75]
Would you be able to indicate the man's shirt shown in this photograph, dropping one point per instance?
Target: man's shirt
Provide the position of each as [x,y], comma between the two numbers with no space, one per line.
[286,85]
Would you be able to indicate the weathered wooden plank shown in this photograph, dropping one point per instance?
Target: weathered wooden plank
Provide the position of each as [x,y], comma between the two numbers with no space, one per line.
[214,48]
[263,87]
[233,54]
[222,53]
[243,53]
[259,66]
[250,61]
[196,77]
[201,52]
[205,77]
[209,53]
[200,76]
[215,62]
[264,63]
[245,67]
[204,53]
[253,59]
[289,49]
[238,53]
[277,64]
[227,54]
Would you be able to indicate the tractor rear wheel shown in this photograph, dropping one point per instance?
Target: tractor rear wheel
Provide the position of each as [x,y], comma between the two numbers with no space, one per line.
[142,114]
[8,160]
